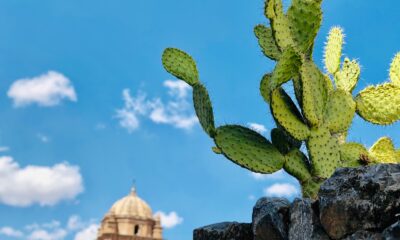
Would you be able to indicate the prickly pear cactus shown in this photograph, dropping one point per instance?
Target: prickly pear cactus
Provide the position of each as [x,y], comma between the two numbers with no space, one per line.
[325,104]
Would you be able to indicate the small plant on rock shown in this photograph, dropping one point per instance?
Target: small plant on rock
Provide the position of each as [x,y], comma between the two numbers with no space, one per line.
[325,104]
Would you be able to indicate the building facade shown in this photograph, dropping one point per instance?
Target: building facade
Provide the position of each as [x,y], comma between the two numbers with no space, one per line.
[130,218]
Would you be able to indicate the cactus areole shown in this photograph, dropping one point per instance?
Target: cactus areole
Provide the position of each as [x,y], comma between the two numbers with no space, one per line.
[325,104]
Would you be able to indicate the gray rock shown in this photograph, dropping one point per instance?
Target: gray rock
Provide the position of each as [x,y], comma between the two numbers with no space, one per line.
[364,235]
[271,219]
[365,198]
[304,221]
[392,232]
[224,231]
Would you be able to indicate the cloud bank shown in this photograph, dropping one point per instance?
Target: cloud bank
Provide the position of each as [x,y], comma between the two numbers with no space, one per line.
[169,220]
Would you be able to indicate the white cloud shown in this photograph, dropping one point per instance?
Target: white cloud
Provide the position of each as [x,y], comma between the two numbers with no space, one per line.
[273,176]
[37,184]
[281,190]
[88,233]
[11,232]
[54,230]
[258,127]
[4,149]
[176,111]
[42,234]
[169,220]
[45,90]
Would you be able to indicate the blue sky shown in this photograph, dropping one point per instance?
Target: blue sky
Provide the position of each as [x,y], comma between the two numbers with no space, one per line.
[98,50]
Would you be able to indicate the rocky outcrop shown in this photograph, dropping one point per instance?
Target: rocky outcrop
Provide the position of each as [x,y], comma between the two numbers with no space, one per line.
[354,204]
[224,231]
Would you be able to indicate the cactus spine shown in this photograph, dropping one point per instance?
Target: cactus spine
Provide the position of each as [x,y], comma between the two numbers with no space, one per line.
[326,104]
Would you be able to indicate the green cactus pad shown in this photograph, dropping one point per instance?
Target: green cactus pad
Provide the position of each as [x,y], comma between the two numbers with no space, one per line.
[248,149]
[333,50]
[296,165]
[285,69]
[379,104]
[279,23]
[287,114]
[181,65]
[383,151]
[310,188]
[315,93]
[305,18]
[340,110]
[283,141]
[347,78]
[298,89]
[323,151]
[216,150]
[394,71]
[351,153]
[329,84]
[203,107]
[267,42]
[265,89]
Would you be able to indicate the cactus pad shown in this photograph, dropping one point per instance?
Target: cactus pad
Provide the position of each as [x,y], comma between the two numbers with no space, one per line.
[285,69]
[203,107]
[248,149]
[380,104]
[310,188]
[340,110]
[314,93]
[351,153]
[347,78]
[181,65]
[324,152]
[286,113]
[265,89]
[283,141]
[383,151]
[279,23]
[333,50]
[395,70]
[267,42]
[305,18]
[296,165]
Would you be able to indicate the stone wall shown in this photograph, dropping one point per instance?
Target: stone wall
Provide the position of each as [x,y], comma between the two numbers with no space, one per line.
[354,204]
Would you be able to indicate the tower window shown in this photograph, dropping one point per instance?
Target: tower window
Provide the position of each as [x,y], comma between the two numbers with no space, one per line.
[136,230]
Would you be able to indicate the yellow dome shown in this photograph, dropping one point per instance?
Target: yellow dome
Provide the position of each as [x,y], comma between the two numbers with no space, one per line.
[131,206]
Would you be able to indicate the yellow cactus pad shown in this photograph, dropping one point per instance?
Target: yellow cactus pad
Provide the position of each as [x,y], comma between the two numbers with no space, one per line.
[351,153]
[379,104]
[394,71]
[333,50]
[287,114]
[383,151]
[339,111]
[347,78]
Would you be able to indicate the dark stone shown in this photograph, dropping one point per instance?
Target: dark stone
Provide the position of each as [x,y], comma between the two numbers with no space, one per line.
[356,199]
[271,219]
[364,235]
[304,221]
[392,232]
[224,231]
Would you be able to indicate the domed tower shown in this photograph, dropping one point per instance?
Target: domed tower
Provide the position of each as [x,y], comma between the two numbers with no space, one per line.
[130,218]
